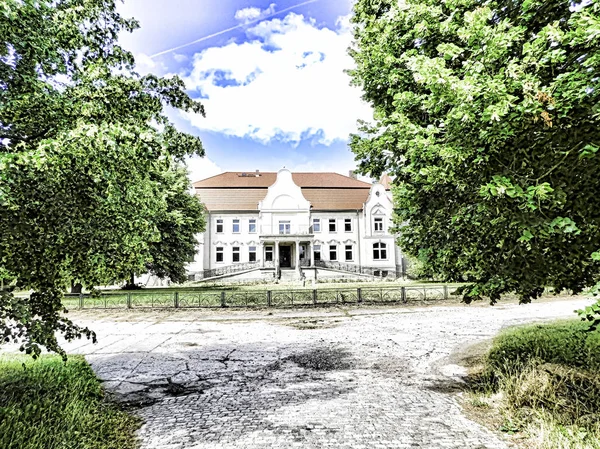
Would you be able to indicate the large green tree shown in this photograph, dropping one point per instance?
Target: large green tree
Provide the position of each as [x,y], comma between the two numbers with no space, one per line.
[487,115]
[178,226]
[86,157]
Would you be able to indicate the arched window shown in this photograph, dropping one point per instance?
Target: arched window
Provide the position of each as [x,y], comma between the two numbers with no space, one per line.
[379,251]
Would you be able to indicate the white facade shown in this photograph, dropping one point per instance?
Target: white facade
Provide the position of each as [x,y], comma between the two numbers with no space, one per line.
[286,234]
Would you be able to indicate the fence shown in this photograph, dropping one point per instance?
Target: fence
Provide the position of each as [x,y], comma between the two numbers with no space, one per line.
[260,298]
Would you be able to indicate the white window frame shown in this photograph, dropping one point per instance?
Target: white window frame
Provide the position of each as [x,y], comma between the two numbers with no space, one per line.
[251,251]
[252,222]
[317,250]
[316,225]
[346,222]
[333,249]
[351,250]
[269,250]
[378,223]
[236,221]
[381,249]
[332,221]
[235,250]
[285,225]
[220,222]
[220,251]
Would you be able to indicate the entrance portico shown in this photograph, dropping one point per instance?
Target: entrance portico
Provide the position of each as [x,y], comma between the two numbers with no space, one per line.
[289,251]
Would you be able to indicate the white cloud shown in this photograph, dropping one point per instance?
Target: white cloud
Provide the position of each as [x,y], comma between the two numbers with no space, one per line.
[201,168]
[142,59]
[144,64]
[179,57]
[286,83]
[251,14]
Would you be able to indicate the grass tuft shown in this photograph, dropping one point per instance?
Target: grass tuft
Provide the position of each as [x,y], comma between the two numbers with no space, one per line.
[48,404]
[548,380]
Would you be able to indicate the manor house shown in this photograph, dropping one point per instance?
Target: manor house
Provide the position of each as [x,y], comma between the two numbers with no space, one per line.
[295,226]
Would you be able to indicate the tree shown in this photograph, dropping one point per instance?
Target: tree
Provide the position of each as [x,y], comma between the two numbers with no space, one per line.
[85,148]
[178,226]
[487,115]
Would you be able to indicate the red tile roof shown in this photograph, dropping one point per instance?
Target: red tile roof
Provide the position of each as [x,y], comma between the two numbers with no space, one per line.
[232,180]
[325,191]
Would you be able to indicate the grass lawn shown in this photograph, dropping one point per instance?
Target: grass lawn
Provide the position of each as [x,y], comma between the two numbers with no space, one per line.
[541,383]
[51,405]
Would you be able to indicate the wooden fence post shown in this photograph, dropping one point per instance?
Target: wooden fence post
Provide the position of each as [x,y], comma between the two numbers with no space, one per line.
[359,295]
[404,300]
[445,291]
[176,299]
[268,298]
[129,300]
[223,304]
[81,300]
[315,296]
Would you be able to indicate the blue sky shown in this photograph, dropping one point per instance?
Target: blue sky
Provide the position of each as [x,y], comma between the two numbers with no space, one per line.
[271,76]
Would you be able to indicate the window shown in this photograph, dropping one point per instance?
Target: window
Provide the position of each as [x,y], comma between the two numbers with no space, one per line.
[269,253]
[235,254]
[348,224]
[349,255]
[332,252]
[378,225]
[236,226]
[379,251]
[252,226]
[316,225]
[219,254]
[284,227]
[220,226]
[252,254]
[332,225]
[317,251]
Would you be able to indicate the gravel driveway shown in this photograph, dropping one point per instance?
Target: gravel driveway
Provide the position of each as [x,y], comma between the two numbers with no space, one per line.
[329,378]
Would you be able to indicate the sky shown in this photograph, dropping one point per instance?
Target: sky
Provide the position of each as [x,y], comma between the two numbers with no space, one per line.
[270,75]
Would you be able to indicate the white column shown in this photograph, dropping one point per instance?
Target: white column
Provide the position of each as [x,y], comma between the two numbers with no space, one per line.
[311,254]
[276,254]
[298,255]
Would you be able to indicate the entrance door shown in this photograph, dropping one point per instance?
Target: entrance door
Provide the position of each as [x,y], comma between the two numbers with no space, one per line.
[285,256]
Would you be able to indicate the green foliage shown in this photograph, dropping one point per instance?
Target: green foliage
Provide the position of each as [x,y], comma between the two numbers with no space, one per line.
[178,226]
[488,116]
[47,404]
[87,157]
[566,343]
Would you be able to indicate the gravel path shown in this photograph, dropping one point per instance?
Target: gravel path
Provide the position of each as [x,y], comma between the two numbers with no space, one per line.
[357,378]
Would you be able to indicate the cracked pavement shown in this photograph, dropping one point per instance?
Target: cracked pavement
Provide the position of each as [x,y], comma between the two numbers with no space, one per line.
[324,378]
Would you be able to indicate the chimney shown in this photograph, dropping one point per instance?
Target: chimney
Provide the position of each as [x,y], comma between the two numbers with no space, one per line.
[352,174]
[257,173]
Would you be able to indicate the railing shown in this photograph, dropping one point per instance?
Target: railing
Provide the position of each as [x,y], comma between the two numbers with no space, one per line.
[230,269]
[260,298]
[304,262]
[286,229]
[352,268]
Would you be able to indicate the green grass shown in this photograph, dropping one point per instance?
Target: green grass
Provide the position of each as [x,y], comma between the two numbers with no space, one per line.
[548,380]
[245,295]
[53,405]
